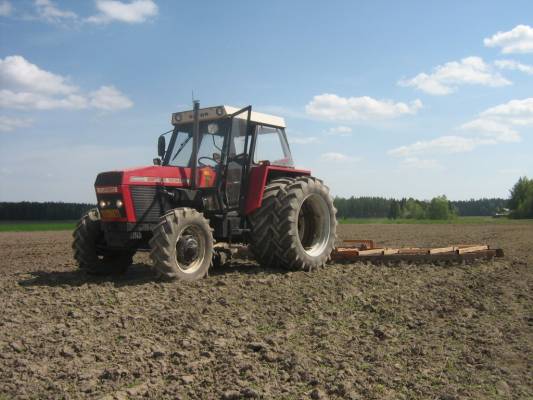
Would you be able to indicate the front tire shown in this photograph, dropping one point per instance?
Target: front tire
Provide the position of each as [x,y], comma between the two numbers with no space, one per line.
[182,245]
[87,236]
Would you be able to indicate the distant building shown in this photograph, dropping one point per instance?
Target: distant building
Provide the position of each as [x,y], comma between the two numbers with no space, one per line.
[502,213]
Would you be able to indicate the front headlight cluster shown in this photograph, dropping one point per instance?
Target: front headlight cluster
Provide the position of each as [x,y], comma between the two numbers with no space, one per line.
[106,203]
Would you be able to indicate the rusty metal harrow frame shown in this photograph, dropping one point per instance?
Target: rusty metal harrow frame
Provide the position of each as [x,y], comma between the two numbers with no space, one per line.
[366,250]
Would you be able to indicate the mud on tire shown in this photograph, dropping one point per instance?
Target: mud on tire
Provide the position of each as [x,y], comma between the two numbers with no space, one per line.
[306,228]
[182,245]
[87,236]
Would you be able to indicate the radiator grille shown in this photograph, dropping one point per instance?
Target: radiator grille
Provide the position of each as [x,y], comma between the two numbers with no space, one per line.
[149,203]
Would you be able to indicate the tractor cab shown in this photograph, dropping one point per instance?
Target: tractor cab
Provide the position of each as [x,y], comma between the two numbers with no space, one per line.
[230,142]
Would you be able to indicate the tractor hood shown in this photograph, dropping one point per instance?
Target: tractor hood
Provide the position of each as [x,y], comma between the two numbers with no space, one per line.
[151,175]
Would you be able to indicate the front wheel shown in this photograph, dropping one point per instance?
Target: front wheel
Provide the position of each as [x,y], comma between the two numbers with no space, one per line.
[182,245]
[87,236]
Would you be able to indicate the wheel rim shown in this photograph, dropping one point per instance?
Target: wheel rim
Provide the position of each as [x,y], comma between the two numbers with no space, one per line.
[314,224]
[190,249]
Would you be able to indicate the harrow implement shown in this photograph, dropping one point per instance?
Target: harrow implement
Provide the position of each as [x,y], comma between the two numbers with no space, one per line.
[366,250]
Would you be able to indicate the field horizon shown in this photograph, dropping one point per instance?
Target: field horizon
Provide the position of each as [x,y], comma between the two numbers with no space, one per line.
[61,225]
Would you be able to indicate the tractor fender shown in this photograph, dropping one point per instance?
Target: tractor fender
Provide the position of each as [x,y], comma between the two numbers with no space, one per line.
[258,178]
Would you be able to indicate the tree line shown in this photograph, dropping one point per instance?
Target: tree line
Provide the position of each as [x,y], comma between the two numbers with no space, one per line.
[437,208]
[520,205]
[521,201]
[47,211]
[353,207]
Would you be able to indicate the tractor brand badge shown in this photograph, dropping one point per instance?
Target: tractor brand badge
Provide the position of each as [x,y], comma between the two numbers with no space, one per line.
[156,179]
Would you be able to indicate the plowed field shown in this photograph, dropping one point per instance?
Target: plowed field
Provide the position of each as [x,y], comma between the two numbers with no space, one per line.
[349,331]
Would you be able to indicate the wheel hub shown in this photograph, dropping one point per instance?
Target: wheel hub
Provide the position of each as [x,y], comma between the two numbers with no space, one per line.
[314,222]
[187,250]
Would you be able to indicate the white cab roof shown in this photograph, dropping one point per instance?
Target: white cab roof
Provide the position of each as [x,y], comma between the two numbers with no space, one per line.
[217,112]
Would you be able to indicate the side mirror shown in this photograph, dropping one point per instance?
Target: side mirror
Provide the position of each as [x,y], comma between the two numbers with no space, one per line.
[161,146]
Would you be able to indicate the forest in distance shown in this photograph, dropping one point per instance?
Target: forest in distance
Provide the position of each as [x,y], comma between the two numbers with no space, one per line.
[353,207]
[519,205]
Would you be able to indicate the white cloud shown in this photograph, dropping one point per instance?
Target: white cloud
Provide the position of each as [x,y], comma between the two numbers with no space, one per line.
[8,124]
[517,40]
[18,73]
[336,108]
[133,12]
[441,145]
[5,8]
[340,131]
[303,139]
[516,112]
[337,157]
[495,125]
[492,129]
[24,85]
[415,162]
[39,101]
[514,65]
[48,11]
[109,98]
[445,78]
[512,171]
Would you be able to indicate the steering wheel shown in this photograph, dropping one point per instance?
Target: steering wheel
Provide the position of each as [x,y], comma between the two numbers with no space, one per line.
[207,158]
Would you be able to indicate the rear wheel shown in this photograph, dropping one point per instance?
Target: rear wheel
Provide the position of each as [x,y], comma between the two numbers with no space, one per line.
[182,245]
[264,221]
[306,230]
[88,248]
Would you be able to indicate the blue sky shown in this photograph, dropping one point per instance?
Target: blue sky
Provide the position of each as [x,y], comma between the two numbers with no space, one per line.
[381,98]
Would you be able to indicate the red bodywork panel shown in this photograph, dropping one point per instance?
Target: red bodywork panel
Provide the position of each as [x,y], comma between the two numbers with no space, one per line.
[180,177]
[157,175]
[259,176]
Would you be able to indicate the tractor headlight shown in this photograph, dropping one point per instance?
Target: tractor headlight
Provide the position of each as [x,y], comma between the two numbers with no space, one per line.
[220,111]
[102,204]
[177,117]
[119,203]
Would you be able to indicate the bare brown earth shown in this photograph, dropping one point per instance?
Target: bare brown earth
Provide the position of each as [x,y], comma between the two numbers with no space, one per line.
[346,331]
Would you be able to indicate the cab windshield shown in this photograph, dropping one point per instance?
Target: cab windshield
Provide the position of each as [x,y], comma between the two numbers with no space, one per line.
[270,145]
[211,142]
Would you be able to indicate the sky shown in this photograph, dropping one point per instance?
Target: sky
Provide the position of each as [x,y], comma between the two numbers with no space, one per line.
[395,99]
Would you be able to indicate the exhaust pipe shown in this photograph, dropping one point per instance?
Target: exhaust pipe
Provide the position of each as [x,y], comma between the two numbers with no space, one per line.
[195,140]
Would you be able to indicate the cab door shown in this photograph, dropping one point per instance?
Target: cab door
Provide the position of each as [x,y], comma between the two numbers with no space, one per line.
[237,156]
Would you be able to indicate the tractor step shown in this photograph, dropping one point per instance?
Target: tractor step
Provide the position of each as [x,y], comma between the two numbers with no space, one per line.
[365,250]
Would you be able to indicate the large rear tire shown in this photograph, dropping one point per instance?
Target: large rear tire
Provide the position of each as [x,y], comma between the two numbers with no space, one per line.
[264,222]
[307,226]
[87,236]
[182,245]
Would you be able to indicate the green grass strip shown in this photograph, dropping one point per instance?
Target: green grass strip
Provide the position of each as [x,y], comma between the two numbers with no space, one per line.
[35,226]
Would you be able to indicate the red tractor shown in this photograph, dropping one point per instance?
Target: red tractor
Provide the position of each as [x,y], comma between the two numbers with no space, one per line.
[227,176]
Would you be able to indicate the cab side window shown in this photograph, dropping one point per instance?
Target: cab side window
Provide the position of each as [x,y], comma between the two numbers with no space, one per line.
[271,145]
[238,134]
